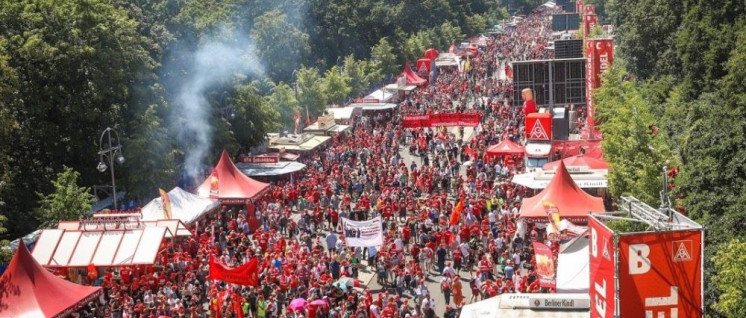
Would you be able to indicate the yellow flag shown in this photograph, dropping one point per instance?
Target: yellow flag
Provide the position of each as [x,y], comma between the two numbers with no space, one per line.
[166,204]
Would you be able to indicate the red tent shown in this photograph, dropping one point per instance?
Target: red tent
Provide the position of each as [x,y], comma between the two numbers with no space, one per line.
[230,185]
[572,202]
[29,290]
[423,65]
[579,161]
[412,78]
[504,148]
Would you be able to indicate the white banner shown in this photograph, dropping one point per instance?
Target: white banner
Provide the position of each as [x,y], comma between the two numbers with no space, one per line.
[363,233]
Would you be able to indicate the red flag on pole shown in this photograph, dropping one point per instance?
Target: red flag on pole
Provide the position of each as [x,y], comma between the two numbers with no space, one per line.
[456,215]
[297,122]
[246,274]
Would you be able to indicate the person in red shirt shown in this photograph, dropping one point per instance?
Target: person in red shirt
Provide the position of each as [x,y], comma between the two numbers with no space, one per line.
[529,105]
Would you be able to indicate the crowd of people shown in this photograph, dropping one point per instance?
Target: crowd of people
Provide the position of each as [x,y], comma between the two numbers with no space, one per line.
[413,179]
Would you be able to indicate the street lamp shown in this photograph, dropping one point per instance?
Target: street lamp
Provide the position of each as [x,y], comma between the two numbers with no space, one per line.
[112,153]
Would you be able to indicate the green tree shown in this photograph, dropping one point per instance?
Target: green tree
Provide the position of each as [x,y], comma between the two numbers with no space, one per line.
[68,201]
[383,57]
[73,65]
[254,116]
[283,99]
[151,157]
[635,155]
[336,85]
[729,264]
[282,46]
[311,92]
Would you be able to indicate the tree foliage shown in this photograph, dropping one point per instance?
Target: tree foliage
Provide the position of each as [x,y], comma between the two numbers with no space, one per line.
[68,201]
[729,264]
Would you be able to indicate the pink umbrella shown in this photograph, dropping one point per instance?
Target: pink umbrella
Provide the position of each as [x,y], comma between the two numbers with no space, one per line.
[297,304]
[320,302]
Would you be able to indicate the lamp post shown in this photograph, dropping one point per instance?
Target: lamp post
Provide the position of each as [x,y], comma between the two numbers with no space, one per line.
[113,152]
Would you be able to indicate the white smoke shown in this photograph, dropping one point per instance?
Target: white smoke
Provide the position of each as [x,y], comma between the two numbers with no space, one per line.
[213,64]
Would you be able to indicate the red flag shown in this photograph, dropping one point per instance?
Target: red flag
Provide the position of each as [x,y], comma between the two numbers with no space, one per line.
[470,152]
[508,71]
[297,122]
[246,274]
[218,305]
[456,215]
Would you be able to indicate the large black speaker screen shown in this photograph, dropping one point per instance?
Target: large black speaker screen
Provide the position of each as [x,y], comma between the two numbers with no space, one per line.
[567,82]
[567,49]
[565,21]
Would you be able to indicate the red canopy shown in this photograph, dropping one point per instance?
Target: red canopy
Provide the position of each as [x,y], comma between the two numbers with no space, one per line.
[572,202]
[29,290]
[579,161]
[504,148]
[230,185]
[412,78]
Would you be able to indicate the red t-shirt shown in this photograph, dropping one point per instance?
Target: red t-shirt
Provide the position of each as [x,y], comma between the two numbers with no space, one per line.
[529,107]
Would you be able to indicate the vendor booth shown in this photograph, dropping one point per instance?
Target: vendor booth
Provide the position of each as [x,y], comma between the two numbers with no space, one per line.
[504,148]
[30,291]
[299,144]
[185,207]
[579,162]
[229,185]
[380,96]
[325,126]
[570,200]
[591,180]
[375,106]
[411,77]
[268,165]
[80,248]
[344,115]
[530,306]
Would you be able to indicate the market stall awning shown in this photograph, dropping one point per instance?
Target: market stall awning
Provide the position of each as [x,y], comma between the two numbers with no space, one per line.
[30,291]
[270,169]
[396,87]
[185,206]
[380,96]
[344,113]
[578,161]
[304,146]
[541,179]
[571,201]
[375,106]
[504,148]
[230,185]
[527,306]
[65,248]
[176,228]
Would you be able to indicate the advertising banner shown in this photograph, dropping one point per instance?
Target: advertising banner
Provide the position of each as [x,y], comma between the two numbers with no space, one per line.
[660,274]
[599,57]
[260,159]
[544,265]
[602,270]
[363,233]
[440,120]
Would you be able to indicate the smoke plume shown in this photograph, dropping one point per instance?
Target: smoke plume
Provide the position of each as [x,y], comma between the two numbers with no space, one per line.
[212,65]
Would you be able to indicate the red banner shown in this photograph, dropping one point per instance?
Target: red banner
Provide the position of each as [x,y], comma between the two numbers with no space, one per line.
[602,263]
[544,265]
[440,120]
[600,56]
[660,274]
[246,274]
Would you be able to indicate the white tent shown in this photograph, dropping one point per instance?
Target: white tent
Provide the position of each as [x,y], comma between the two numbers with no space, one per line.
[185,206]
[573,270]
[530,306]
[67,248]
[380,96]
